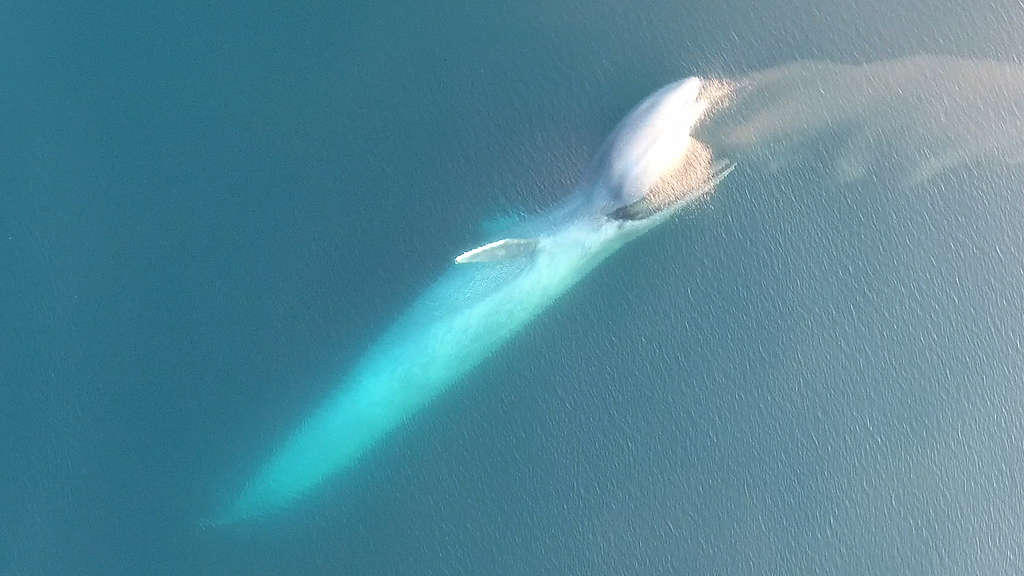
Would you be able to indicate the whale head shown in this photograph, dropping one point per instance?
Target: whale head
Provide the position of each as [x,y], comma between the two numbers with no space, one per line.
[651,163]
[648,168]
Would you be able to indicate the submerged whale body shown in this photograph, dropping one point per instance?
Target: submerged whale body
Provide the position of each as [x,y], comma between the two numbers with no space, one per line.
[649,168]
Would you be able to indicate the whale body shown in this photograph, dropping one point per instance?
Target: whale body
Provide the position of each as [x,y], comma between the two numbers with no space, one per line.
[648,169]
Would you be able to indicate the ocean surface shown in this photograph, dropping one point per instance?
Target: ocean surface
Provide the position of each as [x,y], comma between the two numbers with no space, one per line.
[211,210]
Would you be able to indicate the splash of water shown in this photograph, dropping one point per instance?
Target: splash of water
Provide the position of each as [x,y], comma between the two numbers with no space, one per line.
[917,117]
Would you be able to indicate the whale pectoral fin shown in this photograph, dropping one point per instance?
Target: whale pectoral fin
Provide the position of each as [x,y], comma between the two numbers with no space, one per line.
[720,170]
[504,249]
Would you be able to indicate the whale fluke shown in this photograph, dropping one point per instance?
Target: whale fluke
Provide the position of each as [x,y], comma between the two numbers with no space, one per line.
[504,249]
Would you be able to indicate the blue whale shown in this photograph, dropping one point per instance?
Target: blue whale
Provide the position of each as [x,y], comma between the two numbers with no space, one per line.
[650,167]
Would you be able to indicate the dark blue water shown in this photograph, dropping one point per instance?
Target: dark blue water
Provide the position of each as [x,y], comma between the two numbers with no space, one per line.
[209,212]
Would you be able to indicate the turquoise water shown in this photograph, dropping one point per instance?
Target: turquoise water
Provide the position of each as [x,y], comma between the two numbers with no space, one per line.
[212,211]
